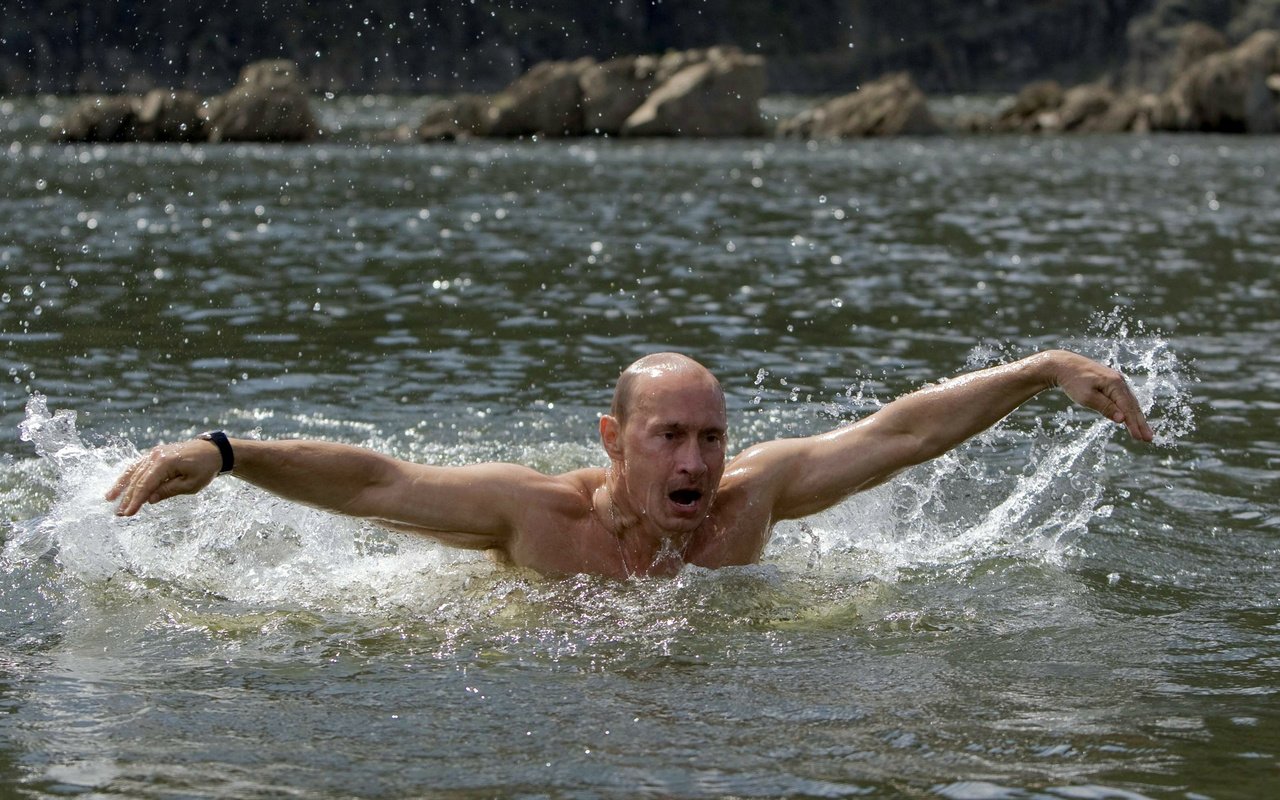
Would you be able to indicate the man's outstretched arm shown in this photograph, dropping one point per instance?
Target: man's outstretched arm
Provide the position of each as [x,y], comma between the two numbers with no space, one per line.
[476,504]
[805,476]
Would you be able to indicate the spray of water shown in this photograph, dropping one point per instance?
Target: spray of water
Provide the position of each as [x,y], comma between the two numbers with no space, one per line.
[230,541]
[1023,493]
[1011,492]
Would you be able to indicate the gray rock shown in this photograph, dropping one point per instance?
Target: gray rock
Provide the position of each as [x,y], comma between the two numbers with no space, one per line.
[546,100]
[99,119]
[890,106]
[1228,92]
[1032,108]
[717,96]
[458,117]
[1081,109]
[164,116]
[613,90]
[269,104]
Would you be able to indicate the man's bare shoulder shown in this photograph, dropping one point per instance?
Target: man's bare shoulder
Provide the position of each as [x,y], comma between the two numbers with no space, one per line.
[537,500]
[762,464]
[573,488]
[554,524]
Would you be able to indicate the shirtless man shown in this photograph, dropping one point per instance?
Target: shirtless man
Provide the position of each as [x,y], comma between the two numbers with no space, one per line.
[668,497]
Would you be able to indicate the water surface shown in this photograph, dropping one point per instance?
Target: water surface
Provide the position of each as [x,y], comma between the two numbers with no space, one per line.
[1052,611]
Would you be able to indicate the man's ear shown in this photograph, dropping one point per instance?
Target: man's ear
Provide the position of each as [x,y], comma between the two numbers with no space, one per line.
[611,437]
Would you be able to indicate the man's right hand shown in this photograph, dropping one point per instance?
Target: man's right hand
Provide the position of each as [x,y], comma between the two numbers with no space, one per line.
[168,470]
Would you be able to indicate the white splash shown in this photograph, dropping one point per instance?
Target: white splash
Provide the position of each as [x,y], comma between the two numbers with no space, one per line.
[1028,493]
[1012,491]
[231,541]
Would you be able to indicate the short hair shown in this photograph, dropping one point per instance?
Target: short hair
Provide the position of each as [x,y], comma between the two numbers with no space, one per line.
[651,366]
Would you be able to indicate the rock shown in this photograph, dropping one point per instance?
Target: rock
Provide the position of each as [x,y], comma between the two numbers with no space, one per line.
[277,73]
[1228,92]
[455,118]
[613,90]
[164,116]
[546,100]
[1129,112]
[1158,54]
[99,119]
[717,96]
[1031,109]
[1081,107]
[1196,42]
[890,106]
[269,104]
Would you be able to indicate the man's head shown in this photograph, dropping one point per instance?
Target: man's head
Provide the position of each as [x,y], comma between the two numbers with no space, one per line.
[666,437]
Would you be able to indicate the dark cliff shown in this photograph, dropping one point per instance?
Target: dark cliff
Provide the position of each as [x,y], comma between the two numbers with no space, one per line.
[408,46]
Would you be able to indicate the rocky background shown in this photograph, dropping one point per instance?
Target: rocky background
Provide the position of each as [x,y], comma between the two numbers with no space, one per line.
[414,47]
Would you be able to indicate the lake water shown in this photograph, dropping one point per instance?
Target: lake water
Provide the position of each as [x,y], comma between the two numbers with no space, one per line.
[1051,611]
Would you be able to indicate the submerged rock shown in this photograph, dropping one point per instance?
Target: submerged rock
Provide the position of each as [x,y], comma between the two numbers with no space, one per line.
[890,106]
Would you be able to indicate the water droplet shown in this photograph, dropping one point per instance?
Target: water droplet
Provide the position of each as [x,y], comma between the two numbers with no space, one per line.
[836,302]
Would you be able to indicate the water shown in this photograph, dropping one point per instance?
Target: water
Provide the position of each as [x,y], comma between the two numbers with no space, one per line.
[1051,611]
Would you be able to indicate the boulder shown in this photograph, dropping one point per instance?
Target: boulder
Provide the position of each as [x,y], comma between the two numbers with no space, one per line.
[269,104]
[1196,42]
[1129,112]
[546,100]
[1082,107]
[1159,51]
[716,96]
[455,118]
[99,119]
[890,106]
[1031,109]
[1228,92]
[613,90]
[164,116]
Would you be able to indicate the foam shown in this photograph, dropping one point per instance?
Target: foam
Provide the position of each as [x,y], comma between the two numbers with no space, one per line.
[1014,491]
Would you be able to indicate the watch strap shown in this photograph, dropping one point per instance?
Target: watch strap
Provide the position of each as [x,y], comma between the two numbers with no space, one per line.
[224,447]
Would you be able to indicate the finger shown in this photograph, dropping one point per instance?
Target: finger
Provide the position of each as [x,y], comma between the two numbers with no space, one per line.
[1131,413]
[122,481]
[140,488]
[176,485]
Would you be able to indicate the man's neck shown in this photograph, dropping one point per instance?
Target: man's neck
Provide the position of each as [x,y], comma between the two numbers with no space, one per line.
[643,548]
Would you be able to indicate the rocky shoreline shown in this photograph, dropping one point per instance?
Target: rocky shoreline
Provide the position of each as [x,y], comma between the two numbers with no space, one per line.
[713,93]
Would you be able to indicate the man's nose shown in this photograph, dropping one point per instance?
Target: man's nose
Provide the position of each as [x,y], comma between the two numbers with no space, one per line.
[689,458]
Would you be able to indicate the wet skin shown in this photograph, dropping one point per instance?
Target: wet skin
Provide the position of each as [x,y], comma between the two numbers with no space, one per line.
[668,498]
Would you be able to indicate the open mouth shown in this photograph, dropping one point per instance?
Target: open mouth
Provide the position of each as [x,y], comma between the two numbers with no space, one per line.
[685,497]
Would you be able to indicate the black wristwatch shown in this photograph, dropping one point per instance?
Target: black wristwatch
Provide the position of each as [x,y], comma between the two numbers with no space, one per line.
[224,446]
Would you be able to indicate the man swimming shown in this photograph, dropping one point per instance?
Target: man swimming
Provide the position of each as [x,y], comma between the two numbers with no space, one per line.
[668,497]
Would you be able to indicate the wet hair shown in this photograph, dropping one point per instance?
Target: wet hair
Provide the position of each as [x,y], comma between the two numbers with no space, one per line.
[651,366]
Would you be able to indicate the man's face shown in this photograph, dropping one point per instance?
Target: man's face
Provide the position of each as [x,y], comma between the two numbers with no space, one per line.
[673,450]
